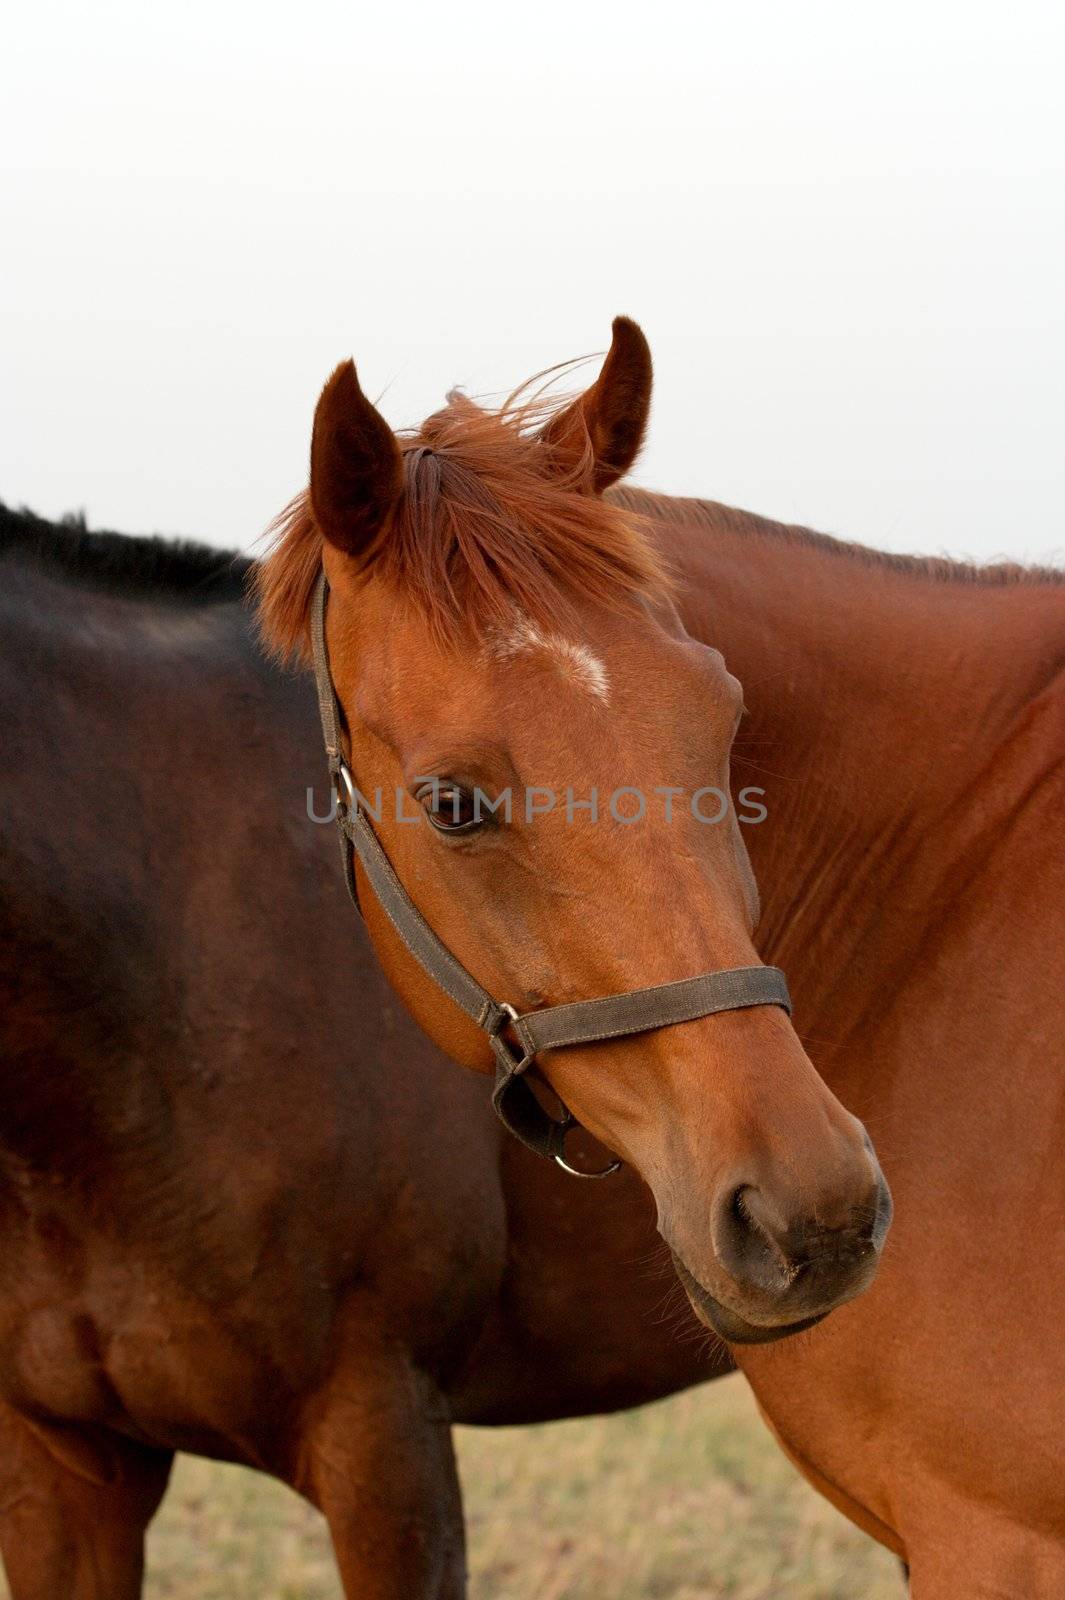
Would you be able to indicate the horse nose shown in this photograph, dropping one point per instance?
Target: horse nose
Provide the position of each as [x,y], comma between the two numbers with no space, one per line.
[795,1257]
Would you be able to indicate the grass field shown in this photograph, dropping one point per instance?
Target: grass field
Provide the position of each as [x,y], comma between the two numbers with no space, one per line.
[685,1500]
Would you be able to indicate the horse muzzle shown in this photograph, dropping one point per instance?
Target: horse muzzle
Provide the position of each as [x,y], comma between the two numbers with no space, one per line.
[775,1273]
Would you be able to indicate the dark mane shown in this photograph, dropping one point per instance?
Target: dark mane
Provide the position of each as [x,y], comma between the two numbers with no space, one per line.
[151,567]
[938,569]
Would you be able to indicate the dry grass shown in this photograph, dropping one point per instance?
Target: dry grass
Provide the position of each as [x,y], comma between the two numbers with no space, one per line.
[685,1500]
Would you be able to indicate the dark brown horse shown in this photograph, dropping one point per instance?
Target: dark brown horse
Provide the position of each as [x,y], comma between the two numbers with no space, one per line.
[245,1208]
[496,625]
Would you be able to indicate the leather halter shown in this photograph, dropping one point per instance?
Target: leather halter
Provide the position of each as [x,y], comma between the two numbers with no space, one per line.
[516,1038]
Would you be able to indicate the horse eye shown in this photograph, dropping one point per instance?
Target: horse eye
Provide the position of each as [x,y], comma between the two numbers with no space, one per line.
[450,808]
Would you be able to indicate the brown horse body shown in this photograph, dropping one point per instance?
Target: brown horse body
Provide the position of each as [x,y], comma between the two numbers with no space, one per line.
[246,1210]
[906,721]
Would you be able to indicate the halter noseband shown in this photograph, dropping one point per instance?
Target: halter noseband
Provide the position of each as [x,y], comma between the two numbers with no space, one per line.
[516,1038]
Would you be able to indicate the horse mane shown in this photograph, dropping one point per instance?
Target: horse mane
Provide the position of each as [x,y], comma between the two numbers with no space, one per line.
[487,526]
[175,570]
[937,569]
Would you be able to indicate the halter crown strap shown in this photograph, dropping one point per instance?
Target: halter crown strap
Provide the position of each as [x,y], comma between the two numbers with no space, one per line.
[614,1016]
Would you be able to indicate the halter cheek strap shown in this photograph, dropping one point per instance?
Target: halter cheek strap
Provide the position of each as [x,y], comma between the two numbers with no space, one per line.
[516,1038]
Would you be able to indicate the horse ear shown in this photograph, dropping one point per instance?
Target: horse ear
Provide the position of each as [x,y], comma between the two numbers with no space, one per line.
[610,418]
[356,466]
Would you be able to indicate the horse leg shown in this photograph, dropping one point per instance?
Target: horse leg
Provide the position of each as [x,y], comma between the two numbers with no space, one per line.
[74,1506]
[378,1462]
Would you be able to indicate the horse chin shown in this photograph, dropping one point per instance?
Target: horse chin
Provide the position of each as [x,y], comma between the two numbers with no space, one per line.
[728,1324]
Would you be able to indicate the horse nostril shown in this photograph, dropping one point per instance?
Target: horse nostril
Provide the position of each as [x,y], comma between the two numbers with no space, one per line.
[746,1242]
[777,1253]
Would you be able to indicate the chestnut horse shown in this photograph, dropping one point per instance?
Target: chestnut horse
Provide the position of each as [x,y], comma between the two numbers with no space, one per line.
[245,1208]
[497,625]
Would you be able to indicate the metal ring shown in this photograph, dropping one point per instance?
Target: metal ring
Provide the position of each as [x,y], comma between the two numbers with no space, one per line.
[343,777]
[575,1172]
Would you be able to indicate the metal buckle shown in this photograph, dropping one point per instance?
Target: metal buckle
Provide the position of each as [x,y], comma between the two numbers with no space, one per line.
[564,1123]
[518,1062]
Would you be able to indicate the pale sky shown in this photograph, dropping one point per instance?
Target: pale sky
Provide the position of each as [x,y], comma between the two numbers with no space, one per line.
[841,226]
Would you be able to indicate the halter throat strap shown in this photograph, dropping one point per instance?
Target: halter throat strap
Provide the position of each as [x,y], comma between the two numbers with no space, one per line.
[516,1038]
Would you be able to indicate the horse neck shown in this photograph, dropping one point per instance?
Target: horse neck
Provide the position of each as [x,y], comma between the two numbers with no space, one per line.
[893,721]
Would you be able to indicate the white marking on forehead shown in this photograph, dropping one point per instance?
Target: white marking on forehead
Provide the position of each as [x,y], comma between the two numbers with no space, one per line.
[576,662]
